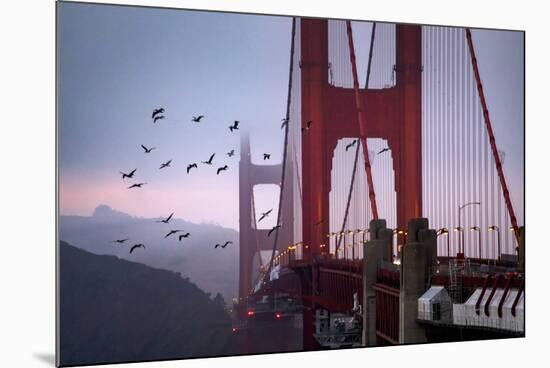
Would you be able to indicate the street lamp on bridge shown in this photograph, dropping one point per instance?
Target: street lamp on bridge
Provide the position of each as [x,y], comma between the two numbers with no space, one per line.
[460,208]
[445,231]
[329,236]
[476,228]
[497,229]
[459,230]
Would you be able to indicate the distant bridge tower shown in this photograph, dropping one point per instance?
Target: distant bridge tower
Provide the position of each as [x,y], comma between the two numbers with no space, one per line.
[392,113]
[250,239]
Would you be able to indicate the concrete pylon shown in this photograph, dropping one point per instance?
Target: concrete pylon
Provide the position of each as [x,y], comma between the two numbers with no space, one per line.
[418,256]
[375,251]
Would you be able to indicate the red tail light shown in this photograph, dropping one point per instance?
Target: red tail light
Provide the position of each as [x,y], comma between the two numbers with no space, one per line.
[234,329]
[250,313]
[277,315]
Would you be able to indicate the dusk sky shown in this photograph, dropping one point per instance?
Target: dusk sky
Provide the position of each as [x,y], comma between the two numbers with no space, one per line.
[116,64]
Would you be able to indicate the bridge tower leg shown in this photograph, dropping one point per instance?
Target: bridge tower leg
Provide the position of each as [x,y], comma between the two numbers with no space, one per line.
[409,146]
[246,236]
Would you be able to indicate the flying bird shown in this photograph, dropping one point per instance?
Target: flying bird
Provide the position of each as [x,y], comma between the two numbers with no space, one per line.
[197,119]
[135,246]
[223,168]
[147,150]
[267,156]
[231,153]
[227,243]
[186,235]
[190,166]
[308,125]
[137,185]
[265,214]
[383,150]
[159,117]
[273,229]
[166,164]
[209,162]
[157,111]
[120,241]
[235,126]
[129,175]
[217,245]
[284,122]
[172,232]
[167,220]
[351,144]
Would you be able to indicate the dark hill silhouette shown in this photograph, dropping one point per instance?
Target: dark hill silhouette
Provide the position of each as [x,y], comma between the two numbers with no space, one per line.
[112,310]
[195,257]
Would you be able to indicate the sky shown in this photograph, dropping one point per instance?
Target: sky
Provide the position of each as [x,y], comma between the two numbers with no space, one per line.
[117,64]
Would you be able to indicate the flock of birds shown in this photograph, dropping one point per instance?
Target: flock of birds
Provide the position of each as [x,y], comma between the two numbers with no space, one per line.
[157,115]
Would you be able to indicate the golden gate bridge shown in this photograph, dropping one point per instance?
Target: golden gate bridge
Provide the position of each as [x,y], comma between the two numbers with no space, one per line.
[392,196]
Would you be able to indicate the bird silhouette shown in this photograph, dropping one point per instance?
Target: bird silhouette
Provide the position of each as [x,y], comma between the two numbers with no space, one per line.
[267,156]
[383,150]
[190,166]
[223,168]
[172,232]
[197,119]
[284,122]
[209,162]
[156,112]
[186,235]
[307,126]
[265,214]
[120,241]
[227,243]
[351,144]
[217,245]
[235,126]
[273,229]
[137,185]
[129,175]
[166,164]
[135,246]
[231,153]
[147,150]
[159,117]
[167,220]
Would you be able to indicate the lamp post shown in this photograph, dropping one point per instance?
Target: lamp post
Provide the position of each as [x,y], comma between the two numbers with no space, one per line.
[475,228]
[343,233]
[352,244]
[497,229]
[445,231]
[358,231]
[403,233]
[460,208]
[329,236]
[459,230]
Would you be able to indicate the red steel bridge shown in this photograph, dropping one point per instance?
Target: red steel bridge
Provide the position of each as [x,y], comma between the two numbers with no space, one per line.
[389,186]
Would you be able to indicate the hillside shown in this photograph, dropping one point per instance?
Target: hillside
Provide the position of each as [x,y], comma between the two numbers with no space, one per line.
[115,310]
[213,270]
